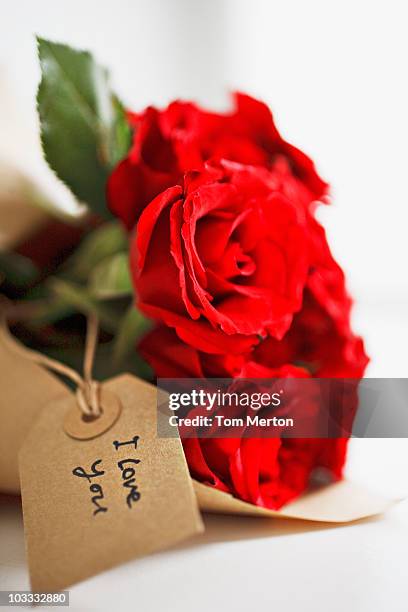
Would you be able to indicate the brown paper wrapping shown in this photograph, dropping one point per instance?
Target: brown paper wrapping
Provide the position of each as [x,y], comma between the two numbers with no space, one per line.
[341,502]
[25,388]
[19,216]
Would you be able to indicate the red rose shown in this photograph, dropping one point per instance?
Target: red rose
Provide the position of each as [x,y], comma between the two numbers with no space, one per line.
[182,137]
[266,472]
[315,341]
[274,471]
[223,260]
[170,357]
[320,337]
[229,260]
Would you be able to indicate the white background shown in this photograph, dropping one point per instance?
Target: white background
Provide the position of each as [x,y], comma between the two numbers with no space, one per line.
[335,75]
[243,564]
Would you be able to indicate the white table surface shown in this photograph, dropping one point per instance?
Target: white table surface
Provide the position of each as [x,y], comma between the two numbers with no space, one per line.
[247,562]
[242,563]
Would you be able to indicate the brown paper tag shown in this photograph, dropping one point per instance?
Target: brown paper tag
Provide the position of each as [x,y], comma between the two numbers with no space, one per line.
[341,502]
[25,388]
[91,504]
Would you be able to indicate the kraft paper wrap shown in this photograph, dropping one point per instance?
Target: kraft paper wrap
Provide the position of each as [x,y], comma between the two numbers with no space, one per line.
[25,388]
[20,217]
[341,502]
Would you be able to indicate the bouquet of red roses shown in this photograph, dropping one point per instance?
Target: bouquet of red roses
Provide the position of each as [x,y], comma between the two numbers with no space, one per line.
[228,259]
[220,268]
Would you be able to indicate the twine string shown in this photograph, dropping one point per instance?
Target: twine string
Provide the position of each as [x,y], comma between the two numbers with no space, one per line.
[90,390]
[87,389]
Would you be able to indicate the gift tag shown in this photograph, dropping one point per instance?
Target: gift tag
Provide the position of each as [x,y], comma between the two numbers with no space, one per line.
[25,388]
[95,498]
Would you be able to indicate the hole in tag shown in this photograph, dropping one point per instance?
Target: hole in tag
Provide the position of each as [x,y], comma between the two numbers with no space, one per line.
[86,427]
[89,418]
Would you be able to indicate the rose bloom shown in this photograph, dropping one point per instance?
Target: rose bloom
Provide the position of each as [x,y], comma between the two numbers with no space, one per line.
[266,472]
[223,259]
[228,259]
[183,137]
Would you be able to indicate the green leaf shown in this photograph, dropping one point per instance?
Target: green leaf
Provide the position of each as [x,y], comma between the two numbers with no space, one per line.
[132,326]
[47,309]
[121,134]
[80,299]
[111,278]
[100,244]
[17,270]
[50,312]
[83,127]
